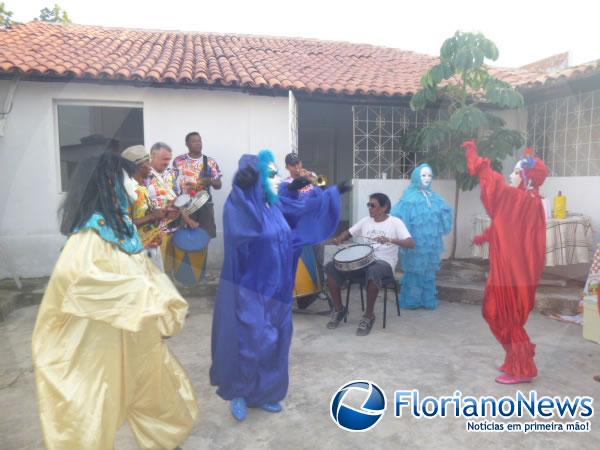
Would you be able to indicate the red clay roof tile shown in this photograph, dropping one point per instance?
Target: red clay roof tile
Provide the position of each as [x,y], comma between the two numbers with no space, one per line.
[306,65]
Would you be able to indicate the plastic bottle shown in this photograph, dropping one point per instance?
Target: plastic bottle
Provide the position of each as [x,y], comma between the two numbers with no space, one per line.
[560,206]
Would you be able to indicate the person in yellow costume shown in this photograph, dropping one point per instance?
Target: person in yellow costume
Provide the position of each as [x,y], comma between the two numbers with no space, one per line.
[98,351]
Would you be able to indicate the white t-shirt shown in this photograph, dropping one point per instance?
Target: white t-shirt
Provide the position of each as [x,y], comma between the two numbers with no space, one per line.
[392,228]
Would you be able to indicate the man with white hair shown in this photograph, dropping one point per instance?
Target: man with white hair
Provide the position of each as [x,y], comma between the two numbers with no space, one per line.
[163,192]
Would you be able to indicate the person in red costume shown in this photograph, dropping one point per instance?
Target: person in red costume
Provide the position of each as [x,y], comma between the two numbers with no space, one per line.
[517,240]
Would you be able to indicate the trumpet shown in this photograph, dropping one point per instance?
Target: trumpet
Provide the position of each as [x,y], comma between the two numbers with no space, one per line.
[321,181]
[316,180]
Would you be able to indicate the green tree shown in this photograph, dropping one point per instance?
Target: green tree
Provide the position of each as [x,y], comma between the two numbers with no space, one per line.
[465,92]
[56,15]
[5,16]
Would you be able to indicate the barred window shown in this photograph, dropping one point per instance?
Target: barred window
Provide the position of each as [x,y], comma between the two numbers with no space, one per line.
[378,132]
[566,132]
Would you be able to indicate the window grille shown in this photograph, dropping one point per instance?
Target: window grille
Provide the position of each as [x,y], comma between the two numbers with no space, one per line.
[378,132]
[566,133]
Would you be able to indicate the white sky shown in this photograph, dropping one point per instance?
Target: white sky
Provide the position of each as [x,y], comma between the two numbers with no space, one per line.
[524,30]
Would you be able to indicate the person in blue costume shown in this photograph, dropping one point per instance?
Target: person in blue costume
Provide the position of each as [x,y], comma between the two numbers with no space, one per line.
[252,322]
[428,218]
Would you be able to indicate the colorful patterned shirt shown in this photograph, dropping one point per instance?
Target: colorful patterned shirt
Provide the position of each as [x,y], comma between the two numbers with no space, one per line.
[162,188]
[187,169]
[142,206]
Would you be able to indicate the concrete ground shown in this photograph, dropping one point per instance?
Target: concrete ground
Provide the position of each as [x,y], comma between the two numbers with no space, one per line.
[436,352]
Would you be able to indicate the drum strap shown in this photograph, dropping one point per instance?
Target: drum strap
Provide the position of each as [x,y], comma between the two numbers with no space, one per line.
[206,215]
[206,174]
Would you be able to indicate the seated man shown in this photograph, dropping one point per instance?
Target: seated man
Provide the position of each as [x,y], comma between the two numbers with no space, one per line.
[387,234]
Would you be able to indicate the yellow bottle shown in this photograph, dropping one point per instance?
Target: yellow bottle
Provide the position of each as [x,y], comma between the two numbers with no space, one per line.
[560,206]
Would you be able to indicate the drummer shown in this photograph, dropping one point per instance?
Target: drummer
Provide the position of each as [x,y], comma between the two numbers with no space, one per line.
[145,216]
[386,233]
[162,191]
[194,172]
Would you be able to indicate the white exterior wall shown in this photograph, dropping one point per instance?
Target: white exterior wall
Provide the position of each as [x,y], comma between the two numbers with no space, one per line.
[231,123]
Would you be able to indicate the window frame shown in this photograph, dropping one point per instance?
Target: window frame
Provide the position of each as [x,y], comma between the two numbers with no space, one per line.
[82,102]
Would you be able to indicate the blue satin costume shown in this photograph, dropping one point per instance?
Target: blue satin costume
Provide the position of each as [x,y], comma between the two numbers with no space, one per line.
[428,218]
[252,322]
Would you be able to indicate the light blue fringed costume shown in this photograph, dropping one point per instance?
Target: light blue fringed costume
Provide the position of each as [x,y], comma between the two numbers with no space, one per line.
[428,218]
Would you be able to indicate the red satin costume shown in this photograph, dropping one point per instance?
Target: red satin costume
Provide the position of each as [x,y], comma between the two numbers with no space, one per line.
[517,242]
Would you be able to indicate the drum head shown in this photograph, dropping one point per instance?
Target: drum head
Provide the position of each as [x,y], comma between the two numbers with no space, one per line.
[198,202]
[182,201]
[352,253]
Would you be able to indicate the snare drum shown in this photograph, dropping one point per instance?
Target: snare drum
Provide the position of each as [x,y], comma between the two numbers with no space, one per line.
[354,257]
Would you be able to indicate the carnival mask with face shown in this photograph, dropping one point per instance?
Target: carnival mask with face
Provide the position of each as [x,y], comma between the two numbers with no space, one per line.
[274,180]
[268,176]
[516,177]
[426,177]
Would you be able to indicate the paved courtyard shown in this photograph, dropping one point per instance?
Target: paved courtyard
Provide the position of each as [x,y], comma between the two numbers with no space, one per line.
[436,352]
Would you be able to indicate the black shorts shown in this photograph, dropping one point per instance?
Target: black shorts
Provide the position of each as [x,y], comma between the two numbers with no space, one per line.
[377,271]
[205,216]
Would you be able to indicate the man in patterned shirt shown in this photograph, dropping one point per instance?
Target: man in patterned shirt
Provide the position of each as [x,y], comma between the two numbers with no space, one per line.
[195,172]
[145,216]
[163,192]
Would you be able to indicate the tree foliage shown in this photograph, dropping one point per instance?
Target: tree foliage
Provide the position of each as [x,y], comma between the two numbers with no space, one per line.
[55,15]
[465,92]
[5,16]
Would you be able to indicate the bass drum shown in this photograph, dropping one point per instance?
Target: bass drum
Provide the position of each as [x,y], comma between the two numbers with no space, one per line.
[190,248]
[308,280]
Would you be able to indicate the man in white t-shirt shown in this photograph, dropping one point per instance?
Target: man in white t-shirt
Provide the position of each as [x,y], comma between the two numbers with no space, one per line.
[387,233]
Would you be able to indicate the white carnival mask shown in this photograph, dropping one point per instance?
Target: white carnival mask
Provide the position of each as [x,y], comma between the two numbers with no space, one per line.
[130,186]
[274,179]
[515,178]
[426,177]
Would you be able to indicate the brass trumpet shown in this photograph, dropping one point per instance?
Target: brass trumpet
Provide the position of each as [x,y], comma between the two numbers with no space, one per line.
[316,180]
[321,181]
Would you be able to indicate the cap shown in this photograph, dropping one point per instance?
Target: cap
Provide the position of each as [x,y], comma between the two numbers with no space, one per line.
[136,154]
[291,159]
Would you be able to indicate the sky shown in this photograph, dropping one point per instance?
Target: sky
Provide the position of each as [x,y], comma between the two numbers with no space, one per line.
[524,31]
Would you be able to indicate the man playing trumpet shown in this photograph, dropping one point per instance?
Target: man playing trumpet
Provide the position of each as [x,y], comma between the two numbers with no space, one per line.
[312,256]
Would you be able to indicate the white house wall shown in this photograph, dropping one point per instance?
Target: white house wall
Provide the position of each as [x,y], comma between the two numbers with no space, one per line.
[469,206]
[231,124]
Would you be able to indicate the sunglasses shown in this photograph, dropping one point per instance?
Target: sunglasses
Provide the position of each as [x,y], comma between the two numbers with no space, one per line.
[372,205]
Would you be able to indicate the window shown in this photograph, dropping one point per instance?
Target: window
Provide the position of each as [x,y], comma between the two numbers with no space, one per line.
[566,132]
[378,131]
[86,130]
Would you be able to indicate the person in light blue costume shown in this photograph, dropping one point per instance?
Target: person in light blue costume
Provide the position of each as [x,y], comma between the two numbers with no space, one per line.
[428,218]
[252,321]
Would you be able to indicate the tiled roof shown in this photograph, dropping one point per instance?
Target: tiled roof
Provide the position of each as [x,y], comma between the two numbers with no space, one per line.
[552,63]
[209,59]
[541,79]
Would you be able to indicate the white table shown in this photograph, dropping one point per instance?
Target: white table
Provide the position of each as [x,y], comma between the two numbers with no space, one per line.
[568,241]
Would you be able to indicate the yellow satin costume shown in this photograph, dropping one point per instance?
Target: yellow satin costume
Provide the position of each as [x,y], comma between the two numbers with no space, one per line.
[98,353]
